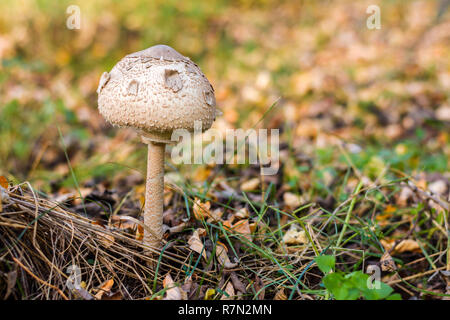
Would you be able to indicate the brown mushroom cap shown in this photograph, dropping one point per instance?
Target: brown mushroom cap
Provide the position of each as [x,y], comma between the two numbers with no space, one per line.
[156,90]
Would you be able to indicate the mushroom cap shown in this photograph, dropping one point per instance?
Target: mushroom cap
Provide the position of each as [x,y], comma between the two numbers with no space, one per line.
[156,90]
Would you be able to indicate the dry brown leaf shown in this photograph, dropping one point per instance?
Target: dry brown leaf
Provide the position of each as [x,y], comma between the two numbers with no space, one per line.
[292,200]
[173,292]
[407,245]
[242,213]
[105,287]
[443,113]
[422,183]
[123,224]
[295,236]
[280,295]
[250,185]
[178,228]
[253,227]
[241,227]
[439,187]
[387,263]
[222,256]
[196,244]
[258,285]
[201,209]
[201,174]
[215,215]
[390,209]
[229,289]
[139,233]
[405,195]
[237,283]
[4,182]
[11,282]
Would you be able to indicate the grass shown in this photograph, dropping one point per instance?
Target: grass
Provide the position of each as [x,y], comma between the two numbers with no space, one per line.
[362,145]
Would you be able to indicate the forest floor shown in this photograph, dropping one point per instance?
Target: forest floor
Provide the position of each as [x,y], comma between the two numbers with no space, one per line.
[362,189]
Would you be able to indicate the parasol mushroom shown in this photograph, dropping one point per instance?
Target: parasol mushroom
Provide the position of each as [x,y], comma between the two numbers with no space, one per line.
[156,91]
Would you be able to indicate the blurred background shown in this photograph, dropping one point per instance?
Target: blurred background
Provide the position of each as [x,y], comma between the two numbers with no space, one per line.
[382,94]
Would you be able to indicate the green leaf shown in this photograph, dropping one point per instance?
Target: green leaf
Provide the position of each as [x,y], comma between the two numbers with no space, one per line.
[334,283]
[380,290]
[358,279]
[395,296]
[325,263]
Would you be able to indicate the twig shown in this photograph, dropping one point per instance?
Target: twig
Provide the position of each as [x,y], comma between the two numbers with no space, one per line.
[429,195]
[415,276]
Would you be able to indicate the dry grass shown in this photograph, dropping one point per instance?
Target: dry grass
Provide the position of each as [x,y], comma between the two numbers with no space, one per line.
[41,240]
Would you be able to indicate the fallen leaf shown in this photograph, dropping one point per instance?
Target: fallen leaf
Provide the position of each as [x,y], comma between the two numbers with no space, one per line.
[295,236]
[105,287]
[241,227]
[215,215]
[11,282]
[443,113]
[280,295]
[438,187]
[178,228]
[196,244]
[253,227]
[222,256]
[139,233]
[209,294]
[390,209]
[201,209]
[250,185]
[201,174]
[188,284]
[229,289]
[242,213]
[292,200]
[387,263]
[405,195]
[237,283]
[258,285]
[4,182]
[407,245]
[173,292]
[119,222]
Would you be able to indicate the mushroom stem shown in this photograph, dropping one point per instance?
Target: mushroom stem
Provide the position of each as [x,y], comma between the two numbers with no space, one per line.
[153,210]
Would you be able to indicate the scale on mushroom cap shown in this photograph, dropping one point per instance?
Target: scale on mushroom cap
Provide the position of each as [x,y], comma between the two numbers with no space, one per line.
[156,91]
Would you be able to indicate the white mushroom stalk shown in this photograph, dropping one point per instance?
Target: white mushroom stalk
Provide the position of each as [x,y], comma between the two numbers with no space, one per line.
[156,91]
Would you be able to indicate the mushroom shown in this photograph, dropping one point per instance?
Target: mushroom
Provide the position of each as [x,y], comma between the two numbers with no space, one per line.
[156,91]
